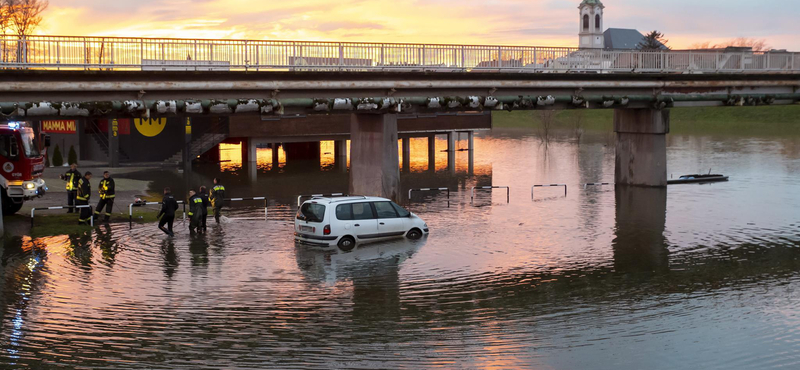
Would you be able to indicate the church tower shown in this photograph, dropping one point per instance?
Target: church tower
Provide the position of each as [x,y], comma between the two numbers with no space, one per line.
[591,25]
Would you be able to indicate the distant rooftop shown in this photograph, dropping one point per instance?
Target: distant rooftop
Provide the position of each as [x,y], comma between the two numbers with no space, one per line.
[592,2]
[623,38]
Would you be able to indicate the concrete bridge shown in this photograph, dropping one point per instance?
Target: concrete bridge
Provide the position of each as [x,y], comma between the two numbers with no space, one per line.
[49,77]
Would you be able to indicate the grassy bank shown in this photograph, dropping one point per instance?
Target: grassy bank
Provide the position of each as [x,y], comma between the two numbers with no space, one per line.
[50,224]
[762,120]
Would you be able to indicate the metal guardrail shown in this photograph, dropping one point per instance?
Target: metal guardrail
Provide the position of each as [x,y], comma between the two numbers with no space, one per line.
[167,54]
[300,197]
[142,204]
[33,211]
[472,192]
[596,184]
[429,189]
[251,198]
[548,186]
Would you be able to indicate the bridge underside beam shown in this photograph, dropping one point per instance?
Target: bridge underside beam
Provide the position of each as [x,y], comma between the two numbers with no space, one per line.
[373,156]
[641,152]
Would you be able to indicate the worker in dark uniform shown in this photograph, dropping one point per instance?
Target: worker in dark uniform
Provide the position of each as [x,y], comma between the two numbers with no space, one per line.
[167,214]
[107,194]
[195,211]
[206,203]
[82,198]
[71,177]
[217,198]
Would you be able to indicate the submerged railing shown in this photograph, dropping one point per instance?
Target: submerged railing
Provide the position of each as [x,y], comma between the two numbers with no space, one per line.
[158,54]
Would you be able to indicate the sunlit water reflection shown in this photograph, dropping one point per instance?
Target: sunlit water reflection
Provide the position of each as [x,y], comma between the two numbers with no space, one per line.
[696,276]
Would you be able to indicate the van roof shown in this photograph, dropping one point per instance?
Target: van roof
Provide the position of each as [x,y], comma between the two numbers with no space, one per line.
[350,198]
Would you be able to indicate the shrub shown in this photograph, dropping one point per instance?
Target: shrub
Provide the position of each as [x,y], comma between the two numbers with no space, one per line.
[72,157]
[58,160]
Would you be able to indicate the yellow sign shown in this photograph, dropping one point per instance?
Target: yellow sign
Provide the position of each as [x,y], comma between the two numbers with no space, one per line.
[115,127]
[150,127]
[188,126]
[59,127]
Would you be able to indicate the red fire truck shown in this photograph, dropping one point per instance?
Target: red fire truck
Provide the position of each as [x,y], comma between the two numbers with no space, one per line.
[22,165]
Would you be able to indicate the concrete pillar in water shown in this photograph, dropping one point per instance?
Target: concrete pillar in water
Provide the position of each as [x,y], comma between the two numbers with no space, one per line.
[113,143]
[432,153]
[451,152]
[471,148]
[340,154]
[641,154]
[252,150]
[406,155]
[373,155]
[275,156]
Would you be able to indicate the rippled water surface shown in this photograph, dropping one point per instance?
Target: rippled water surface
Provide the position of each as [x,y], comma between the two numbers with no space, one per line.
[695,276]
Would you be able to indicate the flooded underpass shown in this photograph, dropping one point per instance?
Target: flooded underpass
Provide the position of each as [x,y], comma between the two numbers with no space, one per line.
[603,278]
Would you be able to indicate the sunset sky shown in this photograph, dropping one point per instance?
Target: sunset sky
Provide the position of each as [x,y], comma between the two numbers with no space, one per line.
[512,22]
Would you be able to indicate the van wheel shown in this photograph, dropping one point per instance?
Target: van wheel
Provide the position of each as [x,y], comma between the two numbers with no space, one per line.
[347,243]
[414,234]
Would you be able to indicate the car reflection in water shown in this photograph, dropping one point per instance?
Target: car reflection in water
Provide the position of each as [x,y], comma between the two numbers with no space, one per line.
[374,270]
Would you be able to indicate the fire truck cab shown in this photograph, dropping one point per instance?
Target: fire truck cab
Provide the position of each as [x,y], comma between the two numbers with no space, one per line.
[21,165]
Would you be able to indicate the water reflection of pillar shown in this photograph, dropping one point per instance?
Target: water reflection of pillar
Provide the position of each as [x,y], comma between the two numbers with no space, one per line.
[376,296]
[406,155]
[432,153]
[640,245]
[451,153]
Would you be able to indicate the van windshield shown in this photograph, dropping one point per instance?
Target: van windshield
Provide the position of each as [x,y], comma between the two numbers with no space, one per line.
[29,144]
[311,212]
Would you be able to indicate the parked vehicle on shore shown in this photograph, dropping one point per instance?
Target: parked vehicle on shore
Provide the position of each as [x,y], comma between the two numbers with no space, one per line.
[22,165]
[348,221]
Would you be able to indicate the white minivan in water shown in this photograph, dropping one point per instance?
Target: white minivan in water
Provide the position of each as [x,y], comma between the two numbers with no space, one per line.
[345,221]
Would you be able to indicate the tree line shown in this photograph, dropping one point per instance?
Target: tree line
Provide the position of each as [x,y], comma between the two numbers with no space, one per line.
[21,17]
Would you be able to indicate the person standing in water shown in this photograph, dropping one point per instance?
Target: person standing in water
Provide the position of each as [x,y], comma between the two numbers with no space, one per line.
[167,214]
[217,198]
[195,211]
[206,203]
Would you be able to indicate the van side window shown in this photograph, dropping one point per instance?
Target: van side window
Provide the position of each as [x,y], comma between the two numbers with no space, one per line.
[362,211]
[344,212]
[385,210]
[402,212]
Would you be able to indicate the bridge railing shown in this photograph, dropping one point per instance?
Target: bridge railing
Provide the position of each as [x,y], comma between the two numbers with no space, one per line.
[117,53]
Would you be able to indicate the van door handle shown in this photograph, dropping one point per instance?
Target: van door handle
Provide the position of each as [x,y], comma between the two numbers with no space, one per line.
[356,225]
[383,223]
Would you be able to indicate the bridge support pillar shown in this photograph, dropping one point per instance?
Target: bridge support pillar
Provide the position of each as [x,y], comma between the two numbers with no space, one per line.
[275,156]
[252,150]
[432,153]
[641,153]
[340,154]
[451,153]
[373,155]
[471,147]
[406,155]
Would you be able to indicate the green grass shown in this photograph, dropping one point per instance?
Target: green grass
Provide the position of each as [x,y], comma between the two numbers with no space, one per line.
[759,121]
[51,224]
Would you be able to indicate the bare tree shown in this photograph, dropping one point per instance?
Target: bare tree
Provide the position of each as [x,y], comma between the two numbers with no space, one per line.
[25,15]
[754,43]
[546,121]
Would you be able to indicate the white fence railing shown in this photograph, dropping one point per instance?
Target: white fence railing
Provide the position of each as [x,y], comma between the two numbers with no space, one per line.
[116,53]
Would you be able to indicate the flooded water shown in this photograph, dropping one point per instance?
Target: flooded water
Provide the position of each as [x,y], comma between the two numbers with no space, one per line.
[693,276]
